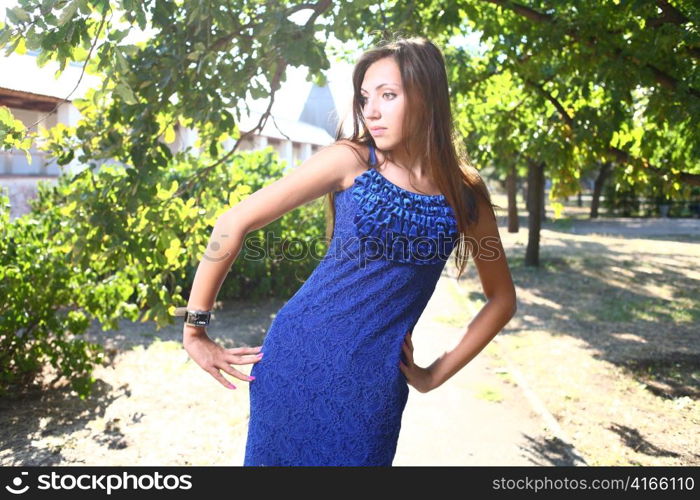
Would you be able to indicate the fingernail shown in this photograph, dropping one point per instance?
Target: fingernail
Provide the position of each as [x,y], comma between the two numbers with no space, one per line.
[231,386]
[260,355]
[251,378]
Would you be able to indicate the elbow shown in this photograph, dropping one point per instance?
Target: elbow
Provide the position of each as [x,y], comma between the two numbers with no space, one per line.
[510,306]
[507,301]
[232,222]
[514,309]
[513,303]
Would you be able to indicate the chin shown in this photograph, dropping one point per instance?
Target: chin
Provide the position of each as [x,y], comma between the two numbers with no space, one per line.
[388,146]
[383,142]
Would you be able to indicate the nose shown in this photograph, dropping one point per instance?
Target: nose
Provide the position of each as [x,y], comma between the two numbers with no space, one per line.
[369,109]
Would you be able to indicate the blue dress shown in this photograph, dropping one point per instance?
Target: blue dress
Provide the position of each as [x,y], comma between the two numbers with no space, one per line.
[329,389]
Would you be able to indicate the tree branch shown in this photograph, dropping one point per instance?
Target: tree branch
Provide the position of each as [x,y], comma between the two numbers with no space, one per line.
[661,77]
[319,8]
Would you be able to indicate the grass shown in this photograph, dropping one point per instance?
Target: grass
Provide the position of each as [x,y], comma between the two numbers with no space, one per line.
[489,393]
[648,309]
[563,224]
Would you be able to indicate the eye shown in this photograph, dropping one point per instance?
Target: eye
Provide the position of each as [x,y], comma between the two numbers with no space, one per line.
[363,99]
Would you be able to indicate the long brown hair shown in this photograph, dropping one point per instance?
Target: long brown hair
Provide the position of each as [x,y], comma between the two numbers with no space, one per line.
[428,132]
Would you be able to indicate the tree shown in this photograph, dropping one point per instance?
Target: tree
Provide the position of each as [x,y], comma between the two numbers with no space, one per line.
[556,83]
[575,85]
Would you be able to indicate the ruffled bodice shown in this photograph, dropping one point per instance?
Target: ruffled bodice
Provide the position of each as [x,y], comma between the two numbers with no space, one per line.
[402,225]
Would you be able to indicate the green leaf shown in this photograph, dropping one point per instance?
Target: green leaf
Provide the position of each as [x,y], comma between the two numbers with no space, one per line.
[164,194]
[125,93]
[173,252]
[169,135]
[5,35]
[84,7]
[68,12]
[17,14]
[121,61]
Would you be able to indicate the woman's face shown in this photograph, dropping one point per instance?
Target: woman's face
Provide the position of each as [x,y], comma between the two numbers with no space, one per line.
[383,103]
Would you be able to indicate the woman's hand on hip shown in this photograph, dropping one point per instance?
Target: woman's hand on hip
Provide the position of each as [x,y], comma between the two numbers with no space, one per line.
[418,377]
[212,358]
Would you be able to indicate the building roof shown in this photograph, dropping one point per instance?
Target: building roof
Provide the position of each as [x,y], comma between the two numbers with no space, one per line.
[305,106]
[297,131]
[19,72]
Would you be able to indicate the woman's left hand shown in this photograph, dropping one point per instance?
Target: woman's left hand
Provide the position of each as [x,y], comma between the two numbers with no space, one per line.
[418,377]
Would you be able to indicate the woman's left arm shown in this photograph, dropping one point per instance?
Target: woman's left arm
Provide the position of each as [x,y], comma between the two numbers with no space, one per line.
[497,283]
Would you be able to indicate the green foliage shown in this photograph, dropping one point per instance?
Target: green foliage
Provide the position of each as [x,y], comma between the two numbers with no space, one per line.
[574,86]
[647,199]
[558,83]
[94,247]
[200,64]
[124,239]
[13,133]
[38,309]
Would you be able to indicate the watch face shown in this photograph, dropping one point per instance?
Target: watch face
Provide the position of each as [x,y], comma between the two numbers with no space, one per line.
[198,318]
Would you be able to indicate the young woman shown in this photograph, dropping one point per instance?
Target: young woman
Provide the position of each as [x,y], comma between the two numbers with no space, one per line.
[338,358]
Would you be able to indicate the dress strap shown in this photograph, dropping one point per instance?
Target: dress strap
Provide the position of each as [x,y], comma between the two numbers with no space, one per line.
[372,155]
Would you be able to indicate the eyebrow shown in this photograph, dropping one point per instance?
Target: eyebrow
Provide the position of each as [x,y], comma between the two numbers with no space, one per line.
[380,86]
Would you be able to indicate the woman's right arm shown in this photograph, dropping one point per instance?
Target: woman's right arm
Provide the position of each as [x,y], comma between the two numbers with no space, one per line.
[323,172]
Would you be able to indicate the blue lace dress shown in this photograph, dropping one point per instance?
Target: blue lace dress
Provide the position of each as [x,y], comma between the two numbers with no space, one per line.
[329,389]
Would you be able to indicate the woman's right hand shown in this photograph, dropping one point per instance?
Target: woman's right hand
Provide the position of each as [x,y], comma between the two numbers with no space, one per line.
[212,357]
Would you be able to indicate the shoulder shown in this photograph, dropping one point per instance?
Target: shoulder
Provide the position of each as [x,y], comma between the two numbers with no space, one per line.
[476,182]
[351,159]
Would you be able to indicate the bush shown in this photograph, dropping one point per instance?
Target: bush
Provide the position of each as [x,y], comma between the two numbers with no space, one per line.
[37,313]
[108,244]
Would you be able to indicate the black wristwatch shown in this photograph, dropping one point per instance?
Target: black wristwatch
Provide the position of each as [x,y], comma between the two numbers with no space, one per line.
[194,317]
[197,318]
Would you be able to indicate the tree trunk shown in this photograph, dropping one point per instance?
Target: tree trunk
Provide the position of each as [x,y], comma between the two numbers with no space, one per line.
[526,195]
[579,198]
[535,189]
[598,188]
[511,188]
[543,212]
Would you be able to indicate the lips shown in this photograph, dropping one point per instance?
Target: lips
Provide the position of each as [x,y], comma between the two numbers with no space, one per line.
[376,129]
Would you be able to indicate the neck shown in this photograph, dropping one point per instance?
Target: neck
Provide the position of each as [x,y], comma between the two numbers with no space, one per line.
[402,159]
